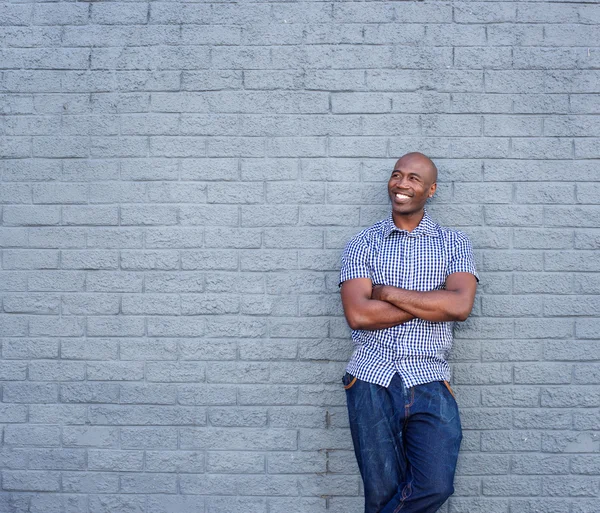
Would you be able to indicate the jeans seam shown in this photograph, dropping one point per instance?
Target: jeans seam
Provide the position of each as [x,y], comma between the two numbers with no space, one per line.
[405,495]
[407,406]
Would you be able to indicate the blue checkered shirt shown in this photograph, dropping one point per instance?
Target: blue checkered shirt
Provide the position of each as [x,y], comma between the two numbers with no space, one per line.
[418,260]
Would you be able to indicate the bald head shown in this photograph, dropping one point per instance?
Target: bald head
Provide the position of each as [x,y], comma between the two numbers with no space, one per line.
[419,161]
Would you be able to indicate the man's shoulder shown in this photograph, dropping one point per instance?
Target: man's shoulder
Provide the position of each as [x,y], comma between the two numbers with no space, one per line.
[370,234]
[455,240]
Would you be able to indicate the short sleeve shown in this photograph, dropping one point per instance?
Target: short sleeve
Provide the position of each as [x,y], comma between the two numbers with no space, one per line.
[462,259]
[355,260]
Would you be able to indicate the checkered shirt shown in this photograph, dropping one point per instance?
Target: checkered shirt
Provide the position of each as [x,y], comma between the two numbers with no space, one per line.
[418,260]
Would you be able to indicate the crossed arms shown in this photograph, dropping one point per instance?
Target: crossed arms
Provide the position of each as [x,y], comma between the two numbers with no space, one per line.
[369,307]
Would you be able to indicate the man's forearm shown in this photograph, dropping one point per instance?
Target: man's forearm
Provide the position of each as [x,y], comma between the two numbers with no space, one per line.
[377,315]
[434,305]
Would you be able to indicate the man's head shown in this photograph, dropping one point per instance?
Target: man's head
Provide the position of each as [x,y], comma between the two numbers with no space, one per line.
[412,182]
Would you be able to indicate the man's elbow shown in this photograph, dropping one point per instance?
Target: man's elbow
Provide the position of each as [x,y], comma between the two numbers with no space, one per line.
[356,319]
[355,322]
[462,316]
[462,313]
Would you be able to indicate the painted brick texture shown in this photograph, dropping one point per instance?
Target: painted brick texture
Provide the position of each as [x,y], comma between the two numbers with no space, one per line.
[177,183]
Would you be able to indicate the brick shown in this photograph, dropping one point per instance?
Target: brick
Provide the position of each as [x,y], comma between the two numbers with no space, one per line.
[342,462]
[543,238]
[541,103]
[574,305]
[539,419]
[510,350]
[559,397]
[509,441]
[466,374]
[561,351]
[584,103]
[499,170]
[517,216]
[45,502]
[31,215]
[24,435]
[584,506]
[586,373]
[584,464]
[208,484]
[542,373]
[31,480]
[61,327]
[224,504]
[574,486]
[149,260]
[174,237]
[126,14]
[571,261]
[148,394]
[454,34]
[175,371]
[238,439]
[483,464]
[89,259]
[482,57]
[331,485]
[32,348]
[512,306]
[118,281]
[586,193]
[232,238]
[483,192]
[24,259]
[586,148]
[238,417]
[208,215]
[207,349]
[61,14]
[120,326]
[115,460]
[483,12]
[235,462]
[235,282]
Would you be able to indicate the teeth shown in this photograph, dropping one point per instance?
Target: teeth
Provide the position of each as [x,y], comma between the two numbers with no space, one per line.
[401,196]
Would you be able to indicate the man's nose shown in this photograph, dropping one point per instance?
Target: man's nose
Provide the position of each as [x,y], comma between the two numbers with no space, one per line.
[404,183]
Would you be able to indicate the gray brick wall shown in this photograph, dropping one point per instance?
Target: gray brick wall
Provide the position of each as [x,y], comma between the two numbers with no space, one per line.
[177,182]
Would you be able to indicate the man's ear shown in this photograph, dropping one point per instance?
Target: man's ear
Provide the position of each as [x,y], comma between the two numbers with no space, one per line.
[432,189]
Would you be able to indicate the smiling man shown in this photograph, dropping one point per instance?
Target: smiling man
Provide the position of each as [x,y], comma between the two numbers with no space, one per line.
[404,281]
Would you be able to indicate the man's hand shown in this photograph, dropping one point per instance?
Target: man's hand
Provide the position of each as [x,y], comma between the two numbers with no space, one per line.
[378,292]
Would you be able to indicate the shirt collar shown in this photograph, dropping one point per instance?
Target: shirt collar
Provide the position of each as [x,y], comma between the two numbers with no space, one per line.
[426,227]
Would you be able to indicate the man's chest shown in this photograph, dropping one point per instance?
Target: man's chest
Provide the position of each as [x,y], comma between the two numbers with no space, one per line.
[413,263]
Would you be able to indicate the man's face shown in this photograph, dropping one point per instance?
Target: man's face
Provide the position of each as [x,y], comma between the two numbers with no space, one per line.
[411,183]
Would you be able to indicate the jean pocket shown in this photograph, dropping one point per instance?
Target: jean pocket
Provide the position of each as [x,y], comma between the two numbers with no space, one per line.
[348,381]
[449,389]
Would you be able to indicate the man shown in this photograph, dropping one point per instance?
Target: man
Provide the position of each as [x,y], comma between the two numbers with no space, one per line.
[403,283]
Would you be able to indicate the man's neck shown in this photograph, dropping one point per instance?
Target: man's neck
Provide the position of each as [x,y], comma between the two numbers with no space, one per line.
[408,222]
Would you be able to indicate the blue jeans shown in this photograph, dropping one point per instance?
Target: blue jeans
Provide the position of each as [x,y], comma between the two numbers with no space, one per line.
[406,442]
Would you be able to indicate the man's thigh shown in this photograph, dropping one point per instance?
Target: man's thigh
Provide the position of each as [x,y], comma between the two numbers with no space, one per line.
[432,436]
[376,415]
